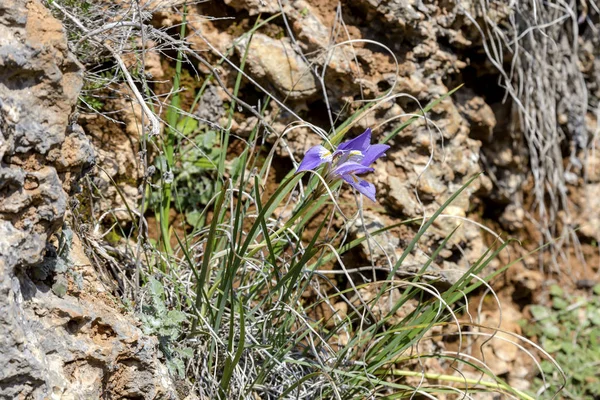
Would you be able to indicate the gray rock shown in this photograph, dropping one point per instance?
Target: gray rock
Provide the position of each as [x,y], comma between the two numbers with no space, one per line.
[52,347]
[377,247]
[211,107]
[589,219]
[39,84]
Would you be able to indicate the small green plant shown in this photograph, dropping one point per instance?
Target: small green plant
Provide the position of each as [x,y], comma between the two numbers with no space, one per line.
[194,172]
[166,325]
[93,103]
[167,162]
[195,175]
[570,330]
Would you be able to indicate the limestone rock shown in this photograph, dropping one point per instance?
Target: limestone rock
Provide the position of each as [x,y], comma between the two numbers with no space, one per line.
[415,183]
[501,353]
[379,246]
[276,62]
[512,217]
[478,113]
[590,218]
[39,84]
[52,347]
[41,153]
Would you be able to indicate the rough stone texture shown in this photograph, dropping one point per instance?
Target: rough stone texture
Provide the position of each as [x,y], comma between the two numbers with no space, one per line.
[74,347]
[78,346]
[39,84]
[437,47]
[587,198]
[380,246]
[276,62]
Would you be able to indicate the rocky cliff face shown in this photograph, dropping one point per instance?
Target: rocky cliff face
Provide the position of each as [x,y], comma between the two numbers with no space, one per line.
[68,346]
[75,343]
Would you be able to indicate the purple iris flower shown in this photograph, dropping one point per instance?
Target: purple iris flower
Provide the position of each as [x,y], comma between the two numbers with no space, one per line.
[350,159]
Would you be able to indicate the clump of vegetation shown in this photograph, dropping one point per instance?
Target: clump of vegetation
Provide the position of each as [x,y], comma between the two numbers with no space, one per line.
[569,329]
[195,174]
[166,325]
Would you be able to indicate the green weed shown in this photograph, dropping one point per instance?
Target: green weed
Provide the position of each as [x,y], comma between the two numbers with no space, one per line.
[570,330]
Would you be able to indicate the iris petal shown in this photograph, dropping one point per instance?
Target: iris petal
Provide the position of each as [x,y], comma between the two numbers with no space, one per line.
[364,187]
[373,153]
[359,143]
[314,157]
[351,168]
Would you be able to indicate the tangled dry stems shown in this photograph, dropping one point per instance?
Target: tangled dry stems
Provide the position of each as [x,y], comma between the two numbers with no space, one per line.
[537,56]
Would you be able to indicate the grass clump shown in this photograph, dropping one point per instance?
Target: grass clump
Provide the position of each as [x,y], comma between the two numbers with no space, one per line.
[241,276]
